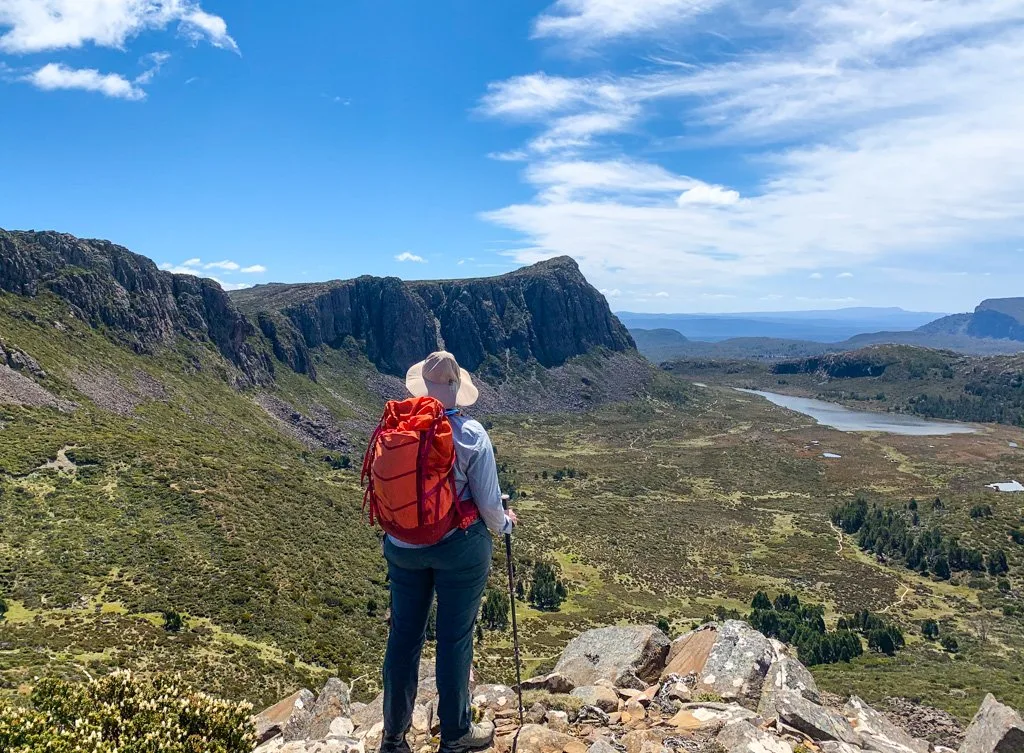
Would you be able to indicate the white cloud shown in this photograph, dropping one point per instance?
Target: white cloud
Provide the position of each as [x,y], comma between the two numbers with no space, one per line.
[661,294]
[844,275]
[193,262]
[872,130]
[613,293]
[255,269]
[42,25]
[232,285]
[705,194]
[226,265]
[407,256]
[154,62]
[53,76]
[594,20]
[816,275]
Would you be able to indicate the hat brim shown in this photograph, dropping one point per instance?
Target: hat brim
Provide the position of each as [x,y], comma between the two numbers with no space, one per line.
[463,394]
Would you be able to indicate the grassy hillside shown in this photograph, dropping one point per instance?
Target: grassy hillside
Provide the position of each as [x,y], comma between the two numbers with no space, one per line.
[166,489]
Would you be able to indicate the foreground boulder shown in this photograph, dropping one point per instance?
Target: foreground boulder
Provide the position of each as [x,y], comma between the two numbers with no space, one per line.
[730,660]
[817,722]
[628,657]
[878,733]
[786,674]
[271,722]
[995,729]
[535,738]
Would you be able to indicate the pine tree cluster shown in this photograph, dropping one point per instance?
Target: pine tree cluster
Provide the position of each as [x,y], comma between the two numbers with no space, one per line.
[803,625]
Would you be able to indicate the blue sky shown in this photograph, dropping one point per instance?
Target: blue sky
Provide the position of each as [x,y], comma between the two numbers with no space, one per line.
[692,155]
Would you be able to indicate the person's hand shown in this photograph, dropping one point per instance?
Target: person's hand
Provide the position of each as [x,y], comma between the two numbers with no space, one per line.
[512,516]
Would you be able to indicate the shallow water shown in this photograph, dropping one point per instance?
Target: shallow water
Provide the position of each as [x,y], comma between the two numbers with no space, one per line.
[846,419]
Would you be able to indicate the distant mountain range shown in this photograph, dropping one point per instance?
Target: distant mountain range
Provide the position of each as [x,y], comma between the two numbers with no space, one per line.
[995,327]
[816,326]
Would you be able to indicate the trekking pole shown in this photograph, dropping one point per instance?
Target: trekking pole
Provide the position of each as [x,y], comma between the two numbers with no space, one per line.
[515,625]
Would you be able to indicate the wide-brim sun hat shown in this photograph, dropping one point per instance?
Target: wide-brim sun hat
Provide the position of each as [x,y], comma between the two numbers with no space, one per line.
[440,376]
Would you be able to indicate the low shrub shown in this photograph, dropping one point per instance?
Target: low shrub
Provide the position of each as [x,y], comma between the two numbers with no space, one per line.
[121,714]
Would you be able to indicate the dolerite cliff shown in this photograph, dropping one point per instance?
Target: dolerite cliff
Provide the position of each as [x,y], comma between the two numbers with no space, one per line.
[543,314]
[996,319]
[139,305]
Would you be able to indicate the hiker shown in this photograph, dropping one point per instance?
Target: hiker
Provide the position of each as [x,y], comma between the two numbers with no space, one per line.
[436,543]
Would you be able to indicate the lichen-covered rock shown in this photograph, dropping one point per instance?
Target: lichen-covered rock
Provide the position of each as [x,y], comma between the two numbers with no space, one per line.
[737,663]
[597,695]
[333,702]
[813,720]
[625,656]
[995,729]
[709,716]
[786,673]
[878,733]
[743,737]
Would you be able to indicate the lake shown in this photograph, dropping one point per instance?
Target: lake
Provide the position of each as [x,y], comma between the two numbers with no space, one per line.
[846,419]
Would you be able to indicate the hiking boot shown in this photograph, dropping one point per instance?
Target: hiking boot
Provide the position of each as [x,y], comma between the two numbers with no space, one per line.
[394,744]
[479,737]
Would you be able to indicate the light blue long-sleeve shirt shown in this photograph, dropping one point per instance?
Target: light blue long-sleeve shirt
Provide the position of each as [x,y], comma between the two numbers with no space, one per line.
[476,475]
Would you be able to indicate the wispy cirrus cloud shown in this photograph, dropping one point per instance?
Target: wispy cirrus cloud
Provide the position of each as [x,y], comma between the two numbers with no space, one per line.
[864,129]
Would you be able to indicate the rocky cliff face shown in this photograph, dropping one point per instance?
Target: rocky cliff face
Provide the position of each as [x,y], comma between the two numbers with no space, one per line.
[544,314]
[139,305]
[996,319]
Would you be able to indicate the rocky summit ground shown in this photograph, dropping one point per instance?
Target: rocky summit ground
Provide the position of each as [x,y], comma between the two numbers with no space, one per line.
[723,688]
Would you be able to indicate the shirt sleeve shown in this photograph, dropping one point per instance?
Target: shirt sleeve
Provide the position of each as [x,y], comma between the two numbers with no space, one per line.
[482,476]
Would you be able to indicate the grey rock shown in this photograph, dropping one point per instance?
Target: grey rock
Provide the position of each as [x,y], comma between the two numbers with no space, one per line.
[995,729]
[495,697]
[536,714]
[593,714]
[813,720]
[737,664]
[271,721]
[602,746]
[626,656]
[552,683]
[786,673]
[743,737]
[557,720]
[878,733]
[834,746]
[597,695]
[332,702]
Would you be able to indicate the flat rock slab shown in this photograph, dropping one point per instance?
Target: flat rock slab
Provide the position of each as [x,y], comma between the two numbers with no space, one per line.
[271,721]
[995,729]
[815,721]
[878,733]
[689,653]
[552,683]
[705,716]
[631,656]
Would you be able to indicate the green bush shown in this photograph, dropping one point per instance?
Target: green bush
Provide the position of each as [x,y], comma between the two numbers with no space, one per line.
[120,714]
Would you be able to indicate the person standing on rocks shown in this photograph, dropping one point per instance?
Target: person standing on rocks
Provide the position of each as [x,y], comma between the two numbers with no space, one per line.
[444,549]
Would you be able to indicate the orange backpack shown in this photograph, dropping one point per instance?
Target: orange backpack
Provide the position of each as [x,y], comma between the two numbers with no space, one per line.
[409,472]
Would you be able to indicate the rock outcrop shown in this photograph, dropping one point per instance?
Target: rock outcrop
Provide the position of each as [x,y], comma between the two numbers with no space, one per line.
[624,656]
[137,303]
[621,706]
[995,729]
[544,314]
